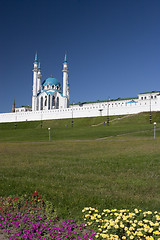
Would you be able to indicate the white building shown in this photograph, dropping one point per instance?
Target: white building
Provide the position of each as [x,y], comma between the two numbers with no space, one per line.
[51,101]
[49,94]
[23,109]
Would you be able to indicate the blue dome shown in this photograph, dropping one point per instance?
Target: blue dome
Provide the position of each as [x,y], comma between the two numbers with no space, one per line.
[51,81]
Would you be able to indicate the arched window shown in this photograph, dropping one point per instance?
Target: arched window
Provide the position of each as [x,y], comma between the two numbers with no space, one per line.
[53,101]
[57,102]
[49,101]
[45,103]
[41,103]
[52,86]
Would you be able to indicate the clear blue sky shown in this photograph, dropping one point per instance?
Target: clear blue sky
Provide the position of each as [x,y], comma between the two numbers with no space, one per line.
[113,47]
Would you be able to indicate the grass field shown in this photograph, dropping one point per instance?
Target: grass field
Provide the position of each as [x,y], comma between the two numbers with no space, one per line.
[116,166]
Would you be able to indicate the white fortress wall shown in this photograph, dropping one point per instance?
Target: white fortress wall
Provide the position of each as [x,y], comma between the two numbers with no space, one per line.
[121,107]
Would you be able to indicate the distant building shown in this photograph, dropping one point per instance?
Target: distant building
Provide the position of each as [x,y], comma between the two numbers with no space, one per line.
[23,109]
[49,94]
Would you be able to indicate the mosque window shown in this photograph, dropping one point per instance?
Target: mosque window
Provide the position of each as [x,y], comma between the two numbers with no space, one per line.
[49,101]
[57,102]
[155,96]
[151,97]
[146,97]
[52,86]
[141,98]
[45,103]
[47,85]
[53,101]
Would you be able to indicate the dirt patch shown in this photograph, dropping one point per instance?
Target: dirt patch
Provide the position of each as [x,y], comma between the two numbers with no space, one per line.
[2,236]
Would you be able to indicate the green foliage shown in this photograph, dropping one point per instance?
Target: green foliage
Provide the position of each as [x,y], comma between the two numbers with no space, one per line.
[50,211]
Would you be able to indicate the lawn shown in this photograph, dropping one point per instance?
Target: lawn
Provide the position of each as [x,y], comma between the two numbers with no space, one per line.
[85,165]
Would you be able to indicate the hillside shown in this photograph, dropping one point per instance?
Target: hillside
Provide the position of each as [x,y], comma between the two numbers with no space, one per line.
[83,128]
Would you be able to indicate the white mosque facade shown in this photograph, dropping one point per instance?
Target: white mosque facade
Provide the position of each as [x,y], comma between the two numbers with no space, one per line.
[50,100]
[49,94]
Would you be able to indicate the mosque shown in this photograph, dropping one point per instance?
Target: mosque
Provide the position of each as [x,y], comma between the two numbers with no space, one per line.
[50,100]
[49,94]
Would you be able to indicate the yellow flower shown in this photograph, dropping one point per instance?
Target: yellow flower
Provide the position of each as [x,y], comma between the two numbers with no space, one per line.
[116,226]
[104,235]
[150,230]
[122,225]
[136,210]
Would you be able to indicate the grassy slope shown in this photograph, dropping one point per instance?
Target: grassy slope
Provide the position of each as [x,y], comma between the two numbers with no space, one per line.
[117,172]
[83,129]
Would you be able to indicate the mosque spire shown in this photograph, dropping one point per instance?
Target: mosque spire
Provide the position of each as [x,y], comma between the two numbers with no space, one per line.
[39,66]
[36,58]
[65,58]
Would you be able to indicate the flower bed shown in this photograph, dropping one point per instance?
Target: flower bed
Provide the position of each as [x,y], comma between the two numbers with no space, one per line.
[33,218]
[123,224]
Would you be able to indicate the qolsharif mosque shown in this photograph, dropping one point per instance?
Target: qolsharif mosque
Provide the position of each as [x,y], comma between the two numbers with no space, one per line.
[50,100]
[49,94]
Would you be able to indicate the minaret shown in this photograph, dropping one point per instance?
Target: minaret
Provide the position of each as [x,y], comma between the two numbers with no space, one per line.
[39,76]
[35,73]
[65,80]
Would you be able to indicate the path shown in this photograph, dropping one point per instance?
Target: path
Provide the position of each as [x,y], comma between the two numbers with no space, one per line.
[95,125]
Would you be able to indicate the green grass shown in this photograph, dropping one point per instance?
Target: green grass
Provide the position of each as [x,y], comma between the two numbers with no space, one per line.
[78,168]
[84,128]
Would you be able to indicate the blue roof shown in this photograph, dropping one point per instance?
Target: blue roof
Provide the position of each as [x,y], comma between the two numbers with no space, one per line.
[51,81]
[132,101]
